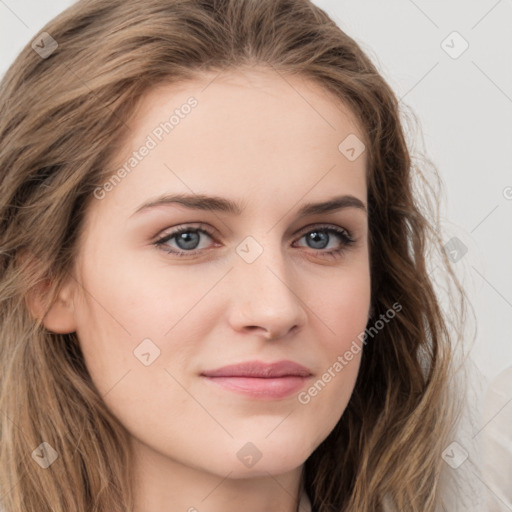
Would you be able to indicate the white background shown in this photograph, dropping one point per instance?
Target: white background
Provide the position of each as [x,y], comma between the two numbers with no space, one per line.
[465,109]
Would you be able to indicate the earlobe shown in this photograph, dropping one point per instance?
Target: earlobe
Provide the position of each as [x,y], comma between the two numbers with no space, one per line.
[60,317]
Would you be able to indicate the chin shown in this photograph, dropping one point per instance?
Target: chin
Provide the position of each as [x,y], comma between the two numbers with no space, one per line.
[275,455]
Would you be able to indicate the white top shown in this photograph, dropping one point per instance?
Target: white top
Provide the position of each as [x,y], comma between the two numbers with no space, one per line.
[497,443]
[304,503]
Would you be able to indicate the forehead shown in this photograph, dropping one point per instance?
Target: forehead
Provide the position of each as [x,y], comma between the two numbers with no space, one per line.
[239,93]
[250,132]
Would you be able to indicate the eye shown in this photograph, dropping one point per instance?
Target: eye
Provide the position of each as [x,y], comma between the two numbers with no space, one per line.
[321,236]
[186,238]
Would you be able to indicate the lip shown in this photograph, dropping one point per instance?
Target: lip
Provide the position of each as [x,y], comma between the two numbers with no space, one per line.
[260,380]
[260,370]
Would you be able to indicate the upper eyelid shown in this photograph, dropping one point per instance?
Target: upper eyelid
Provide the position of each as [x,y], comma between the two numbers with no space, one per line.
[181,227]
[335,227]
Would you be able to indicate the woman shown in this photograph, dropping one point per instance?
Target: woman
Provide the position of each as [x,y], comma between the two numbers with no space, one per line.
[298,356]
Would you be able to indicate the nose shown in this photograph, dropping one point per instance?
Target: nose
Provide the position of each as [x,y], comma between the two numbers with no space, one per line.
[267,299]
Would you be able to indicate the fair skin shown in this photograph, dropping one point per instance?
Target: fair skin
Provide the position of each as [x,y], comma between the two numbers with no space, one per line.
[256,140]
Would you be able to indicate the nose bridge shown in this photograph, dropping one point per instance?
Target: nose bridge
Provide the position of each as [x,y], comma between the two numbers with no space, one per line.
[266,297]
[262,263]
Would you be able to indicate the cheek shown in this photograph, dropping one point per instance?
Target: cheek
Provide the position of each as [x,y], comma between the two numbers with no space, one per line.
[343,306]
[134,299]
[131,314]
[343,315]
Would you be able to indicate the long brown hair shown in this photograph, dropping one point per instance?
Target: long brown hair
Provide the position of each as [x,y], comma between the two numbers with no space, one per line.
[65,114]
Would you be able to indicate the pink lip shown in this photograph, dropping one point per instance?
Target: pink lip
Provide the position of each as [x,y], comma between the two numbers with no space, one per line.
[262,380]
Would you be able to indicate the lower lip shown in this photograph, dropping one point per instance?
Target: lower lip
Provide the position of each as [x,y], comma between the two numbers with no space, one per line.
[278,387]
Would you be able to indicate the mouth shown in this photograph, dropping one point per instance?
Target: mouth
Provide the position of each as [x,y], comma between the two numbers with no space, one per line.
[260,380]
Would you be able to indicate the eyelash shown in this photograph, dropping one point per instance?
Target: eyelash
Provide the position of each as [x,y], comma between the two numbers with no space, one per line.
[344,235]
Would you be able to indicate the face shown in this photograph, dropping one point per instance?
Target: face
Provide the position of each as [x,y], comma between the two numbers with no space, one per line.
[256,275]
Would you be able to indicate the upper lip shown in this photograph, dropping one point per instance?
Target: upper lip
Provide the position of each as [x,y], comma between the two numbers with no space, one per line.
[260,369]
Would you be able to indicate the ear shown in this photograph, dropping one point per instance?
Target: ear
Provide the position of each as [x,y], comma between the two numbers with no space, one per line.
[60,318]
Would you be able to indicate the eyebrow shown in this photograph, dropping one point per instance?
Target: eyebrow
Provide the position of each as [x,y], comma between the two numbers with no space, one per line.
[221,204]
